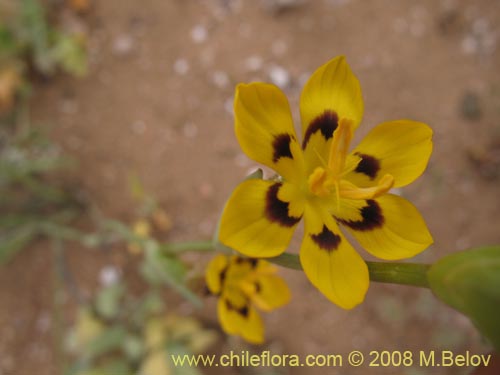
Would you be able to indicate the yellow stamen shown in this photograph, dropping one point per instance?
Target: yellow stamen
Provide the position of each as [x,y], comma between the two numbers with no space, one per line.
[321,182]
[351,191]
[340,146]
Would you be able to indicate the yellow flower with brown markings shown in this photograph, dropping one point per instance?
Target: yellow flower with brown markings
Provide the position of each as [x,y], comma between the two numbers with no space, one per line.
[243,285]
[326,184]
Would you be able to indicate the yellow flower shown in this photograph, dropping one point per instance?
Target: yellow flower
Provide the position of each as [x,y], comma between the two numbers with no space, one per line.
[243,284]
[326,184]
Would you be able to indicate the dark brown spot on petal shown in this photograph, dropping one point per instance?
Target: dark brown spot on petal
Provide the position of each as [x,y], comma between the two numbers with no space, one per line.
[326,240]
[277,210]
[258,287]
[243,310]
[369,165]
[372,218]
[326,123]
[251,261]
[222,276]
[281,146]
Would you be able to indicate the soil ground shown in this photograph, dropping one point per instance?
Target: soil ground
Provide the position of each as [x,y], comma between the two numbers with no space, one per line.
[157,103]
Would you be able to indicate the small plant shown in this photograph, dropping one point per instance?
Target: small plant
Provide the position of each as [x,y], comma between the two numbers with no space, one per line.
[116,333]
[33,200]
[30,41]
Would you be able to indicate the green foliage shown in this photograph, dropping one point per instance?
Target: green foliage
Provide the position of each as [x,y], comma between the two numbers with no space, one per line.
[32,203]
[27,38]
[134,336]
[469,281]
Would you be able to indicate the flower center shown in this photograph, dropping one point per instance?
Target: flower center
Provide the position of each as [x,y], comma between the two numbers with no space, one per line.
[327,179]
[322,182]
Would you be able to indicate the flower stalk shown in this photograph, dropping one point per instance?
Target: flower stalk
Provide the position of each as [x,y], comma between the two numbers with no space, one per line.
[412,274]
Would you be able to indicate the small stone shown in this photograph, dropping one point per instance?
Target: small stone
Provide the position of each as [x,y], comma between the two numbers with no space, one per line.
[279,76]
[109,275]
[228,106]
[220,79]
[199,34]
[123,45]
[253,63]
[181,66]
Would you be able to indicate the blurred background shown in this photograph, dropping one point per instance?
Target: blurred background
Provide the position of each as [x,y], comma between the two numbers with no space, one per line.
[116,138]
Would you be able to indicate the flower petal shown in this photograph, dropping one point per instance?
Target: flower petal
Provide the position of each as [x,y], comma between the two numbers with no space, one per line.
[216,273]
[270,292]
[388,227]
[258,220]
[330,262]
[331,94]
[264,128]
[400,148]
[242,320]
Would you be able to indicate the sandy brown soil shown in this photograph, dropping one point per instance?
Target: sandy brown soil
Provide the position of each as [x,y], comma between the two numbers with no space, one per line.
[157,103]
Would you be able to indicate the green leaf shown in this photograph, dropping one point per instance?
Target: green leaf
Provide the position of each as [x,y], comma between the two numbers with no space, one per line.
[8,45]
[14,241]
[469,281]
[108,299]
[159,267]
[70,53]
[107,341]
[258,174]
[133,347]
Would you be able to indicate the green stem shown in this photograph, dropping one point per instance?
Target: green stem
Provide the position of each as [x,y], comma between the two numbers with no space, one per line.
[413,274]
[179,247]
